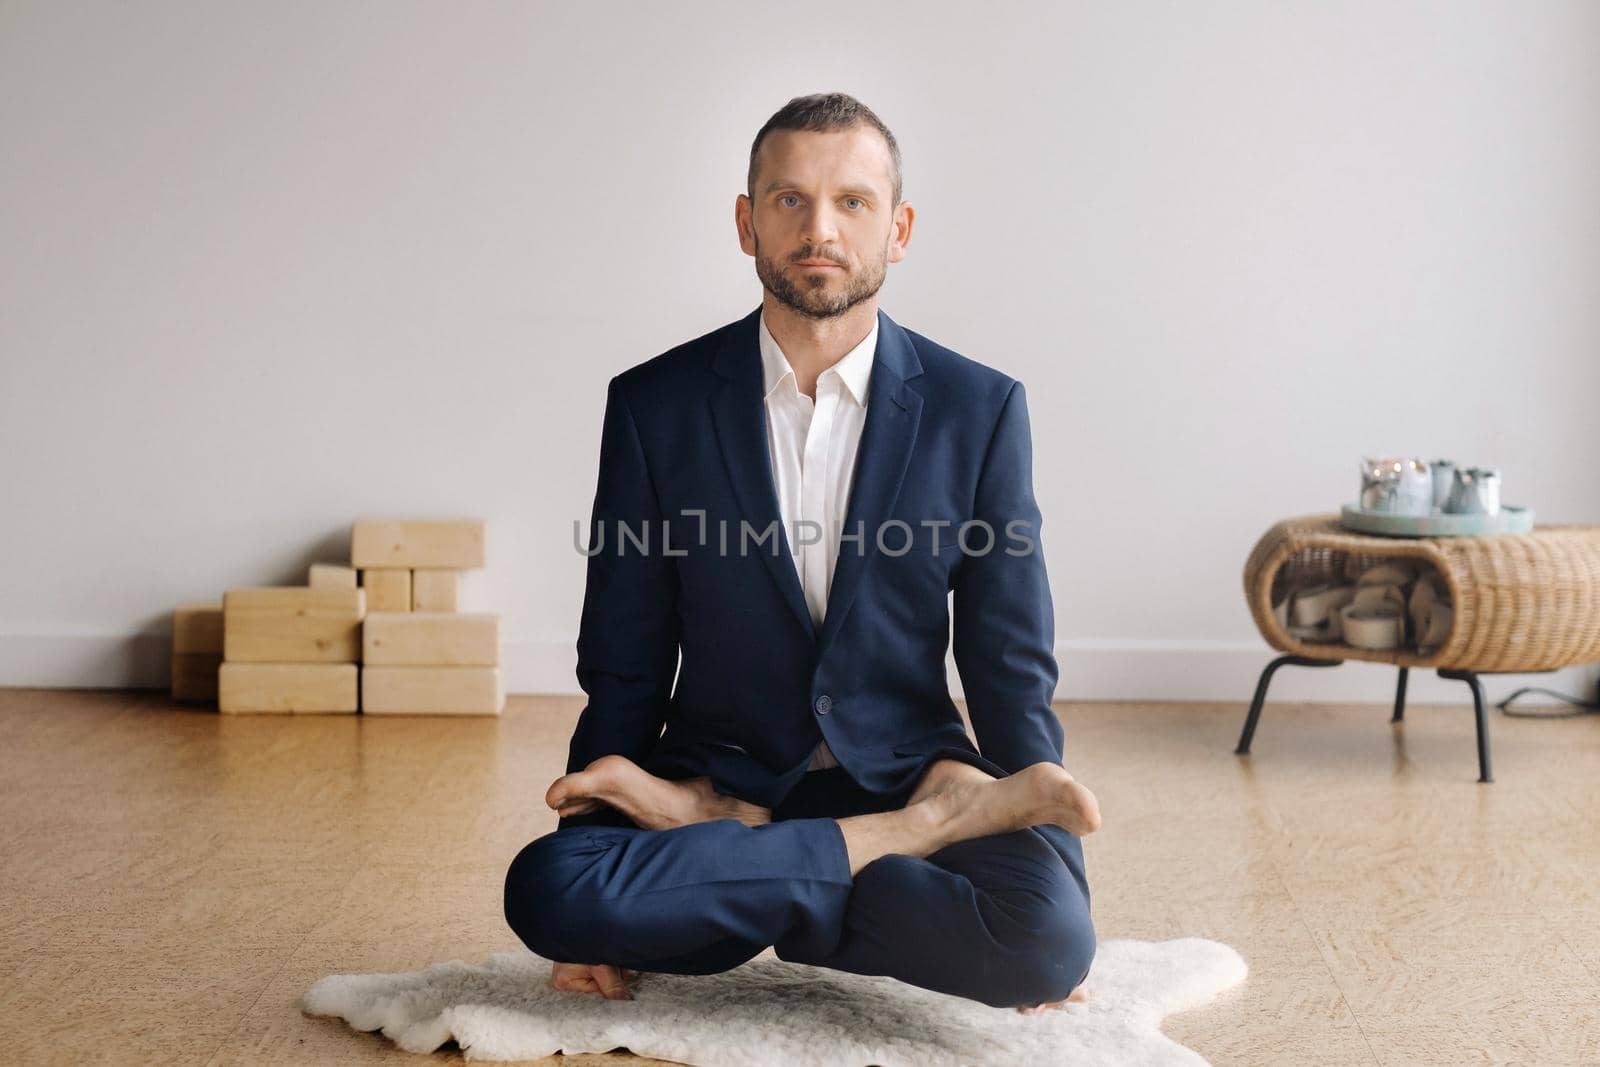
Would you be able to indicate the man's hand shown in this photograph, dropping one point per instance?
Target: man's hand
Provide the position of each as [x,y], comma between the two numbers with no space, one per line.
[610,982]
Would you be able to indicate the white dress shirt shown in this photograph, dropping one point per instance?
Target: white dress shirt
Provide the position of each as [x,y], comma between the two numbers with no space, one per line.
[813,445]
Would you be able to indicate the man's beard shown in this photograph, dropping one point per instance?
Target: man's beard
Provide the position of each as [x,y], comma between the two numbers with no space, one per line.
[811,297]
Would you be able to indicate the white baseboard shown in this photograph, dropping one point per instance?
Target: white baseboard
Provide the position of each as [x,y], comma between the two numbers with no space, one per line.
[1227,672]
[86,661]
[1097,670]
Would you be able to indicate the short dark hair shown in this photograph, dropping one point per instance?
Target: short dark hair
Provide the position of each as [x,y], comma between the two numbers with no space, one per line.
[821,113]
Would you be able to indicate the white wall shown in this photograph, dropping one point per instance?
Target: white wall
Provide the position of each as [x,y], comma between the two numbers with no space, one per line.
[267,267]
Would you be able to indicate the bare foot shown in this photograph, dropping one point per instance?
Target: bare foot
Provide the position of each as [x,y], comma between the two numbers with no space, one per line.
[1077,996]
[1040,793]
[942,774]
[651,802]
[610,982]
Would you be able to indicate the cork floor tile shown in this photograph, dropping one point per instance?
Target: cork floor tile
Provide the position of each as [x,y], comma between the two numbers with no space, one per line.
[176,879]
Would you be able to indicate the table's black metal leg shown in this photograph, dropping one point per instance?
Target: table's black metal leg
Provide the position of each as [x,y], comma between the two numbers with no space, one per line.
[1480,709]
[1261,693]
[1400,697]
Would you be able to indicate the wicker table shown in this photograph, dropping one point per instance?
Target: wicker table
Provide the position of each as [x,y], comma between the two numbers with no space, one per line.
[1521,603]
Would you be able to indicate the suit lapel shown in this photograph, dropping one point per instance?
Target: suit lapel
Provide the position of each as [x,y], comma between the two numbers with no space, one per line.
[887,438]
[740,416]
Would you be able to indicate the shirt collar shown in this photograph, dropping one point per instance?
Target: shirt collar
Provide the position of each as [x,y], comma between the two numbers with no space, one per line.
[855,369]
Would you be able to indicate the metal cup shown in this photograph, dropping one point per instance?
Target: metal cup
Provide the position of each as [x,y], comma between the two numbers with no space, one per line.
[1397,486]
[1444,476]
[1475,491]
[1488,483]
[1379,489]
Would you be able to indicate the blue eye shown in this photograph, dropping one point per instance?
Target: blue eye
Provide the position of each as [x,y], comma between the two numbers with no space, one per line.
[855,201]
[788,197]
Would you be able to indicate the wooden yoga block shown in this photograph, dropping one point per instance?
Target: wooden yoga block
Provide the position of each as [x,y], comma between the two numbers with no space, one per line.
[455,544]
[292,624]
[430,638]
[332,576]
[432,691]
[435,590]
[388,589]
[326,688]
[194,676]
[197,627]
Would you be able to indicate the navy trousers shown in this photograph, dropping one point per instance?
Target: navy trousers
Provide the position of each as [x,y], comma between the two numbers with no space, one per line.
[1002,919]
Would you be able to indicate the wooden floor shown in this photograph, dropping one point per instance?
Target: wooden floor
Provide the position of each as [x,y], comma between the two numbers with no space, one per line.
[173,879]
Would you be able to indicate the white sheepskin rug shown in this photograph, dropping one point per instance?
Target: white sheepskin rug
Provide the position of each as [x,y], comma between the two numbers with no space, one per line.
[770,1013]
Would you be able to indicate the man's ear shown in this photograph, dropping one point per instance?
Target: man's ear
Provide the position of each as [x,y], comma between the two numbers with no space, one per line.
[744,221]
[900,231]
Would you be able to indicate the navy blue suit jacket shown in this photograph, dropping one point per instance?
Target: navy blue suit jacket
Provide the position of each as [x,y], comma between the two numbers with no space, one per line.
[946,440]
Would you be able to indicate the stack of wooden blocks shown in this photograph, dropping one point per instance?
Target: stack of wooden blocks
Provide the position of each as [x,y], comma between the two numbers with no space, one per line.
[381,635]
[420,656]
[291,648]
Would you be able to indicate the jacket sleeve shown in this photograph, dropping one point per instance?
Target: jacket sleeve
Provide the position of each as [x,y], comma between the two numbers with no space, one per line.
[1004,620]
[628,634]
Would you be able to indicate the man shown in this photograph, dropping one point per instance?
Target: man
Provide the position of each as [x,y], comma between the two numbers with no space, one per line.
[785,504]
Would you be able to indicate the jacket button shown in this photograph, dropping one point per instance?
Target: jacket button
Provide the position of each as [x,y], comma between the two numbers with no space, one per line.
[824,704]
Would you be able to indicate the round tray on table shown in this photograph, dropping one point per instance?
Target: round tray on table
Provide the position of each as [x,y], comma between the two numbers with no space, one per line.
[1510,520]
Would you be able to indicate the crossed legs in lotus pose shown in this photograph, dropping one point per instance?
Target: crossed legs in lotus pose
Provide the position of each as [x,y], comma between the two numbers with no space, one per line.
[952,802]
